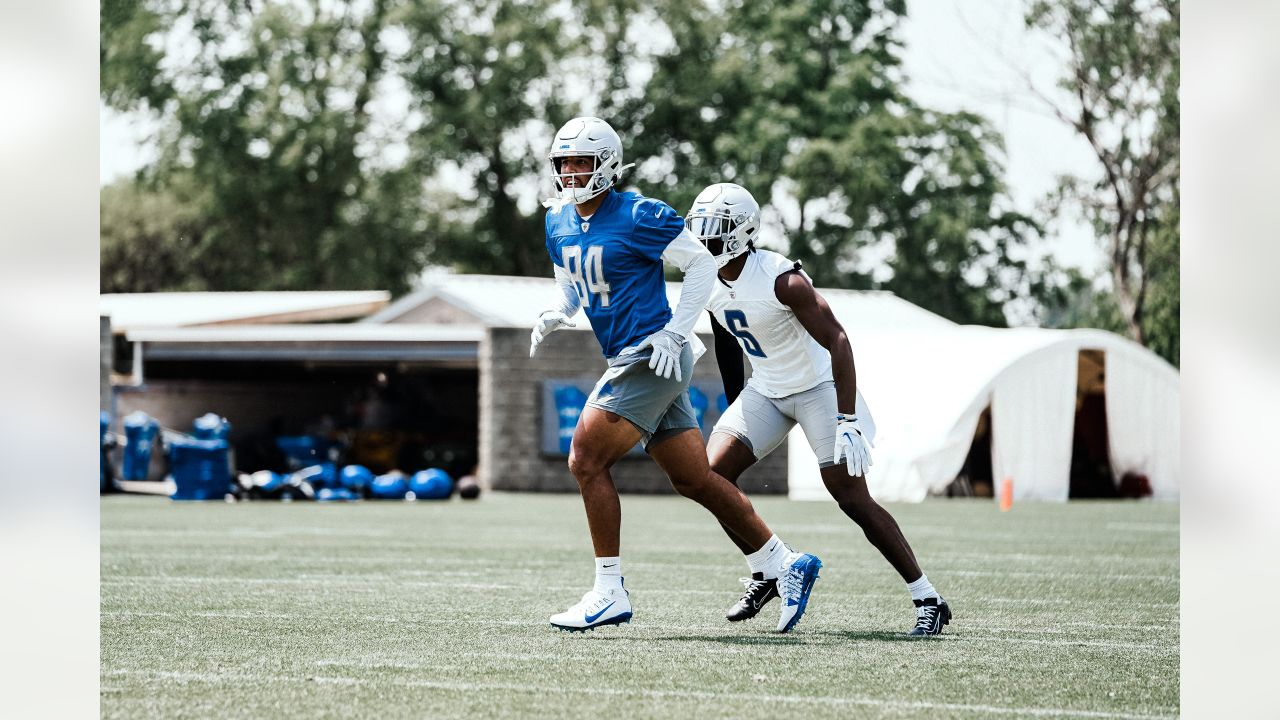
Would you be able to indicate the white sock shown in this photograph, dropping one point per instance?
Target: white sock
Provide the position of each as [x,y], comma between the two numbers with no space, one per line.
[922,588]
[768,558]
[608,573]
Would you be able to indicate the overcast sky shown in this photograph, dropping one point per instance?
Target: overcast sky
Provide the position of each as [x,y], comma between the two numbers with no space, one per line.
[959,55]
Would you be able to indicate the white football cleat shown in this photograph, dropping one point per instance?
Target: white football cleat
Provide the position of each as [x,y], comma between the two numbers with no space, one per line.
[799,571]
[596,608]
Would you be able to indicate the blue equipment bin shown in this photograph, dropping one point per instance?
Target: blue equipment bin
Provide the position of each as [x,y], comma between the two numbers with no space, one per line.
[211,426]
[431,484]
[201,469]
[140,431]
[104,422]
[303,450]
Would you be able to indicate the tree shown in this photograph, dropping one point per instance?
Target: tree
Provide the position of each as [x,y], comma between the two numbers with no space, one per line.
[480,76]
[490,81]
[147,238]
[266,110]
[1121,95]
[1075,301]
[802,104]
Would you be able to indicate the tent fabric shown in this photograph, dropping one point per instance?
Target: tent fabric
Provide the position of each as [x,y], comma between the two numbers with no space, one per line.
[1143,423]
[1032,419]
[927,388]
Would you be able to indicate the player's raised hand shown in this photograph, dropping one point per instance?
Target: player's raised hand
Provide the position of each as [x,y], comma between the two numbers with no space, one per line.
[666,353]
[852,445]
[548,322]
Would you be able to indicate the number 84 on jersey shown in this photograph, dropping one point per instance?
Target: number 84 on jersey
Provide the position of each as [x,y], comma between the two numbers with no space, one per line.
[587,274]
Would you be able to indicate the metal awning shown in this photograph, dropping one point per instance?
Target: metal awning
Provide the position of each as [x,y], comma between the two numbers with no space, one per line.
[138,311]
[331,343]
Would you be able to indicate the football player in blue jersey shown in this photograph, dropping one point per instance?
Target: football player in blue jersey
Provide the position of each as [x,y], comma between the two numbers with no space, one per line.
[607,249]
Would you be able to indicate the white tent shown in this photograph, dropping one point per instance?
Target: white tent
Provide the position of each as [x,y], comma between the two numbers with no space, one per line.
[927,387]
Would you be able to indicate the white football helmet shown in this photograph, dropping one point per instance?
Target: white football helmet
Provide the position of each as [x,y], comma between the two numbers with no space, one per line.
[592,137]
[725,218]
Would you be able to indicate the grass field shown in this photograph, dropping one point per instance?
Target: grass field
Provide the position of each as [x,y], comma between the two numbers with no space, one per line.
[382,610]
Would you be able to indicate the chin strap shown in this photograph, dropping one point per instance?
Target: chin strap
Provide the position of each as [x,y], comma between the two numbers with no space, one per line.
[555,204]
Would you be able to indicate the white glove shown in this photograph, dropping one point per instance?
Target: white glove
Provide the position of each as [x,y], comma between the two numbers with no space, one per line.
[666,353]
[852,445]
[548,322]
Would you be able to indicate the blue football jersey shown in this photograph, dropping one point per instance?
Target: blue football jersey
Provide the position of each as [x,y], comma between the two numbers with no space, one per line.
[615,260]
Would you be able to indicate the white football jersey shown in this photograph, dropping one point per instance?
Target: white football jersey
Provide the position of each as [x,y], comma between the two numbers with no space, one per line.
[785,359]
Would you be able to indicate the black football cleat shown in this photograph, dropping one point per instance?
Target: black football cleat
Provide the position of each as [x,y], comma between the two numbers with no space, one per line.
[931,615]
[758,594]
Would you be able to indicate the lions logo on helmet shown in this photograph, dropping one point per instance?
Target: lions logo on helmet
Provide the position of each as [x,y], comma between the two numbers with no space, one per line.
[725,218]
[589,137]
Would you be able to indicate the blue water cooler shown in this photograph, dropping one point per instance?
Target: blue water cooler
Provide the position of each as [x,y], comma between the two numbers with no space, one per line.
[201,469]
[140,432]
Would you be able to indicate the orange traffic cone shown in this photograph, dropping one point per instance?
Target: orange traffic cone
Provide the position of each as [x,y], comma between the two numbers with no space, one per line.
[1006,494]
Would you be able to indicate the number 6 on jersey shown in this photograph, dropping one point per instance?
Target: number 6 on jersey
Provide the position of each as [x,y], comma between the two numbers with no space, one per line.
[588,280]
[738,326]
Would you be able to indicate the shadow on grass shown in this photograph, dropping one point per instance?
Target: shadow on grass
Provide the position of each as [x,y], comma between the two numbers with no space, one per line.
[875,635]
[809,637]
[756,640]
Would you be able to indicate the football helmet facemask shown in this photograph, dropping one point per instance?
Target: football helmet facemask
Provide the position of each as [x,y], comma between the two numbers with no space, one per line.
[724,218]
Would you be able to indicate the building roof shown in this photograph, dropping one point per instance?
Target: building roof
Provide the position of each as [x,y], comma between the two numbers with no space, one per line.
[133,311]
[503,301]
[310,333]
[346,343]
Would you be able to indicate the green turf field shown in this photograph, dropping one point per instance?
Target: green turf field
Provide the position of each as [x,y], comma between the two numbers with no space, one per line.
[382,610]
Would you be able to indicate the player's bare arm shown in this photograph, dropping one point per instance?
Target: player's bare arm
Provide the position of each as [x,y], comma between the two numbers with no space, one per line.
[796,292]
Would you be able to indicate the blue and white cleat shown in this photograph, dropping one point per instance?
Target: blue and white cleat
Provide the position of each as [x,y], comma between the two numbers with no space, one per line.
[800,570]
[596,608]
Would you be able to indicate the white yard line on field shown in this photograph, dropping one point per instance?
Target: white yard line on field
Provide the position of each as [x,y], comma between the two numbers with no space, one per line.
[1093,560]
[249,532]
[294,617]
[544,689]
[1072,575]
[1171,528]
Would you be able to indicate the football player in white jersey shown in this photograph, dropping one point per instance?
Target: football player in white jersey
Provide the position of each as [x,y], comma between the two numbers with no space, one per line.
[801,372]
[608,248]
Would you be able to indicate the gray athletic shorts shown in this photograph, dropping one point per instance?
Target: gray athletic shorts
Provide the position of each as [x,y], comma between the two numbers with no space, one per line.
[762,423]
[657,406]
